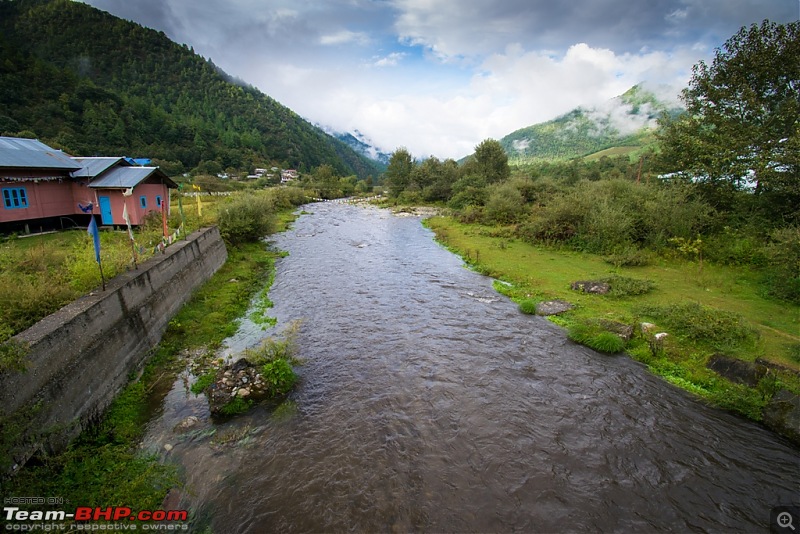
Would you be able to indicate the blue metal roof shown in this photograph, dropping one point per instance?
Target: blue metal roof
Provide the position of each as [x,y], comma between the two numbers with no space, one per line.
[22,153]
[126,177]
[91,167]
[123,177]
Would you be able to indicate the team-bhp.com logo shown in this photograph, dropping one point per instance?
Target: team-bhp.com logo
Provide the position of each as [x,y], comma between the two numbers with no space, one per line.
[117,518]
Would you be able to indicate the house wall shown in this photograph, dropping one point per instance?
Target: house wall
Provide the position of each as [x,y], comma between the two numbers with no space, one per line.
[80,357]
[135,210]
[45,199]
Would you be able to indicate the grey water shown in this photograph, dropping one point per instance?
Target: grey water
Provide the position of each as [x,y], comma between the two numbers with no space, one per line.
[428,402]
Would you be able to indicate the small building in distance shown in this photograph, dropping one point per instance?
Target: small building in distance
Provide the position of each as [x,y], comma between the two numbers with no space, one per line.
[288,175]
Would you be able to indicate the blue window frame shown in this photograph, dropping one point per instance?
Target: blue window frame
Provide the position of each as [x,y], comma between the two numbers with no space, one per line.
[15,198]
[158,200]
[143,201]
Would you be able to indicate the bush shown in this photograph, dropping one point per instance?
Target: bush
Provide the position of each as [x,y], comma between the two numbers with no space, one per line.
[279,376]
[505,205]
[528,306]
[719,329]
[622,286]
[629,256]
[596,338]
[247,218]
[782,274]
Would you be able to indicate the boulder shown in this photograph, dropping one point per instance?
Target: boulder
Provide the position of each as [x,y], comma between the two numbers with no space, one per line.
[241,379]
[186,424]
[591,286]
[625,331]
[782,415]
[736,370]
[553,307]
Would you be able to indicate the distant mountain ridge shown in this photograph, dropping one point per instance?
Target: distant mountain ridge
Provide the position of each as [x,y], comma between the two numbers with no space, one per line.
[361,144]
[625,121]
[92,84]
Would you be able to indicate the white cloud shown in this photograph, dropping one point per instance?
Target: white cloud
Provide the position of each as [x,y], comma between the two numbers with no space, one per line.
[509,91]
[389,61]
[344,37]
[460,71]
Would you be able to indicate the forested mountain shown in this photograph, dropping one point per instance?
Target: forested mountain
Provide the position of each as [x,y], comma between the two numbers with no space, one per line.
[90,83]
[358,142]
[626,121]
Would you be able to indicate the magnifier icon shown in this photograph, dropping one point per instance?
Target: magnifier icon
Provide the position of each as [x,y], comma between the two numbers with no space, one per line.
[785,520]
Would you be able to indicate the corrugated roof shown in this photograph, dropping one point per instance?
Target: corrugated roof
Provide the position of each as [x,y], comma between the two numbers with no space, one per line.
[123,177]
[21,153]
[91,167]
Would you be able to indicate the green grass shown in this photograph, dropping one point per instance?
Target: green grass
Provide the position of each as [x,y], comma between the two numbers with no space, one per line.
[596,338]
[718,308]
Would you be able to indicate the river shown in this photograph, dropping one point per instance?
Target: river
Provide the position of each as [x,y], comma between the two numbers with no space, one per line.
[428,402]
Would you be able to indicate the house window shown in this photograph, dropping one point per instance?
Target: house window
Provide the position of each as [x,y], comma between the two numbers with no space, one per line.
[15,197]
[158,200]
[143,201]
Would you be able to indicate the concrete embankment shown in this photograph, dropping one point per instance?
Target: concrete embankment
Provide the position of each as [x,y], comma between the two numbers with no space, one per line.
[79,358]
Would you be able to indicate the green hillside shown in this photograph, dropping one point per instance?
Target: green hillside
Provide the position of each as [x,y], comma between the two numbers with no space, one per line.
[90,83]
[623,126]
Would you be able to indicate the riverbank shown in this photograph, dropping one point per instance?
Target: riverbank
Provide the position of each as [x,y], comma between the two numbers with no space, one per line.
[104,466]
[533,274]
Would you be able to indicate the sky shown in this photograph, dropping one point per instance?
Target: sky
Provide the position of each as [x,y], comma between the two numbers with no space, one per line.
[437,77]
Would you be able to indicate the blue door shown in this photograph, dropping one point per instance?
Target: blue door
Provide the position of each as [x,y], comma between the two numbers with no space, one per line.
[105,210]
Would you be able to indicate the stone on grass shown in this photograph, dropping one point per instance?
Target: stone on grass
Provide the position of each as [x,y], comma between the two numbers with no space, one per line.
[737,370]
[591,286]
[553,307]
[782,414]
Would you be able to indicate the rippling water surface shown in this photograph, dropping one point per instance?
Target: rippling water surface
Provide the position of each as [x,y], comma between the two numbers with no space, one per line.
[427,402]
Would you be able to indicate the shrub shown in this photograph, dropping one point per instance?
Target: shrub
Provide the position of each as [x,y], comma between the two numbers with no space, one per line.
[505,205]
[279,376]
[719,329]
[782,274]
[528,306]
[622,286]
[629,256]
[247,218]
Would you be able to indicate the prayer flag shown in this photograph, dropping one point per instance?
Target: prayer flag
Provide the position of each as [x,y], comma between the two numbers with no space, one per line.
[92,231]
[127,219]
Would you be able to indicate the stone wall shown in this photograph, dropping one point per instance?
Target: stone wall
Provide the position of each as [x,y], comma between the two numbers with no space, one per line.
[82,356]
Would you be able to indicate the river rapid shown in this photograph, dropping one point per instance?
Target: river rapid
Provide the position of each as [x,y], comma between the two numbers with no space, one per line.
[428,402]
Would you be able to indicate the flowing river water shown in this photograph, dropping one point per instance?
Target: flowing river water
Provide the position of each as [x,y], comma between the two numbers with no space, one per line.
[428,402]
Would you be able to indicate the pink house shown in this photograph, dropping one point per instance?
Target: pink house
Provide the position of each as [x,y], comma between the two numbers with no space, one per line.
[41,186]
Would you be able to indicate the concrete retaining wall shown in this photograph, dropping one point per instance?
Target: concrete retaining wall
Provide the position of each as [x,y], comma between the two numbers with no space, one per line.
[83,355]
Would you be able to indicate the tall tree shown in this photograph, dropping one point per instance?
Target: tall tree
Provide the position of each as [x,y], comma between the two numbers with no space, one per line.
[398,173]
[490,161]
[743,118]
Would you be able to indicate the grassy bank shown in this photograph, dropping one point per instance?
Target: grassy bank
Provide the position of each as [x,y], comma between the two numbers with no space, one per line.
[705,309]
[104,466]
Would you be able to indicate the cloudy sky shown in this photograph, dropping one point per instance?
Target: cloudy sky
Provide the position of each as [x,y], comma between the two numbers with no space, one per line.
[439,76]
